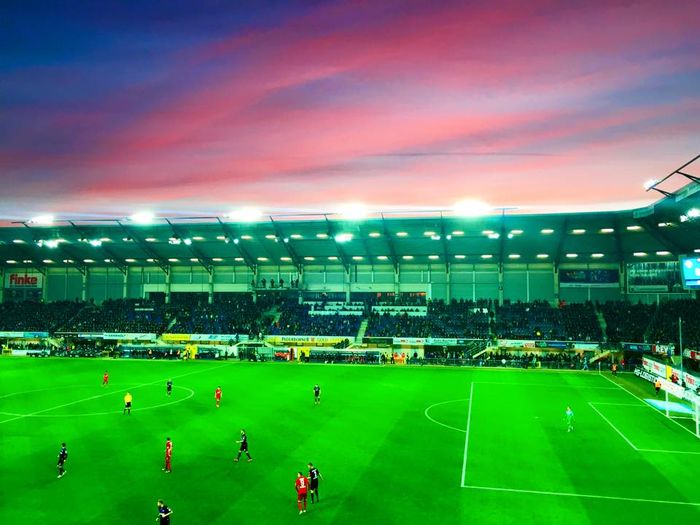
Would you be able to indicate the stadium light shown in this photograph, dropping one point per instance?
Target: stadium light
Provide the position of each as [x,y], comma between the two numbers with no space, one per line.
[650,184]
[546,231]
[353,211]
[542,255]
[247,214]
[95,243]
[343,237]
[174,240]
[597,255]
[693,213]
[187,241]
[471,208]
[142,217]
[42,220]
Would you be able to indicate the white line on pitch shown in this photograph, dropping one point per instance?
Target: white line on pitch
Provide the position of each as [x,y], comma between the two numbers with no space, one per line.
[590,496]
[548,385]
[668,451]
[646,404]
[103,395]
[466,439]
[438,422]
[617,404]
[613,426]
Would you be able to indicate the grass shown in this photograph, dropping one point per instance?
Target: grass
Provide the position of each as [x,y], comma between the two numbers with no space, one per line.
[383,460]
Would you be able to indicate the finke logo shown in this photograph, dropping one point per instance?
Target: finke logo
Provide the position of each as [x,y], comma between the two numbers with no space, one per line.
[17,279]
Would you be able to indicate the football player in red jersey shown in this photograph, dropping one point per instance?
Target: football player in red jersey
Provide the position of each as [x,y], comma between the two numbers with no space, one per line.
[217,396]
[105,379]
[301,487]
[168,455]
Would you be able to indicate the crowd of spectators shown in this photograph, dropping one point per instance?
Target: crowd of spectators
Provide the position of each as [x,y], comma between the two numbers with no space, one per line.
[30,316]
[121,315]
[625,321]
[228,314]
[664,326]
[457,319]
[295,319]
[541,320]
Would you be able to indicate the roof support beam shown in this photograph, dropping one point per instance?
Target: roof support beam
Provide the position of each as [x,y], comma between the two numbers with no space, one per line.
[241,249]
[287,244]
[444,239]
[204,261]
[341,253]
[390,245]
[146,248]
[71,258]
[560,243]
[117,261]
[659,236]
[618,240]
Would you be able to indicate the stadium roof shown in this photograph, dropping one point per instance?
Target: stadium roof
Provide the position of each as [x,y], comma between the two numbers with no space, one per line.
[659,232]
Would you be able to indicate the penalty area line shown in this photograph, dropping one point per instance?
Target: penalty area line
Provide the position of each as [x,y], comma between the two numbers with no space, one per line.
[587,496]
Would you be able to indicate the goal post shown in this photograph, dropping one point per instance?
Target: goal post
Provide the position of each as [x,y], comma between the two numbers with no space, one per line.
[681,403]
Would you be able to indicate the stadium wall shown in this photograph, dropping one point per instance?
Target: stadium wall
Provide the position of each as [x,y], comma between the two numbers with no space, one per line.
[516,282]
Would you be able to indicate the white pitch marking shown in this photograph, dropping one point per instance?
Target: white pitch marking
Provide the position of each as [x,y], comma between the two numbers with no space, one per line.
[646,404]
[613,426]
[466,439]
[106,394]
[590,496]
[110,412]
[438,422]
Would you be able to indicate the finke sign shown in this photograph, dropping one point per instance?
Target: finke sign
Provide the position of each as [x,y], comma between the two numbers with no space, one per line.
[23,280]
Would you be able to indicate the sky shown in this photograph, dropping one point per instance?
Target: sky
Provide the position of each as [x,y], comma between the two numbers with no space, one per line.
[201,107]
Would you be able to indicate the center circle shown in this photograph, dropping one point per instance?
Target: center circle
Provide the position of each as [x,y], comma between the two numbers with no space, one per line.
[39,413]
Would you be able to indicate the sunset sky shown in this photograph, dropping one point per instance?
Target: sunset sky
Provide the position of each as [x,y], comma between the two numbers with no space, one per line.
[201,107]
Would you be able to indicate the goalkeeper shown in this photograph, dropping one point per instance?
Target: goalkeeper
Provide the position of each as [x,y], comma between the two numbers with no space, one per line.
[569,417]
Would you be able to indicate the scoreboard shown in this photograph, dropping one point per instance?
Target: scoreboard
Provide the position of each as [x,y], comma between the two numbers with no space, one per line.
[690,272]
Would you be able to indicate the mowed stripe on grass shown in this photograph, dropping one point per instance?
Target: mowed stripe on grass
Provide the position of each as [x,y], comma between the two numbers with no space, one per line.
[382,459]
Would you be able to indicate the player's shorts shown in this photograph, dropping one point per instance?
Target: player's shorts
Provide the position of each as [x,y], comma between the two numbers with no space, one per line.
[218,398]
[313,484]
[61,463]
[244,448]
[301,495]
[127,405]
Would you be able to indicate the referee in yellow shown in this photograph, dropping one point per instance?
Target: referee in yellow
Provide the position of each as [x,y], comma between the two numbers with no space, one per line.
[127,403]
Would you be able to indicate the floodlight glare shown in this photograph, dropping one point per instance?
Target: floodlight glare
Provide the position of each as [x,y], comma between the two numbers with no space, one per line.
[471,208]
[52,243]
[693,213]
[650,184]
[244,215]
[343,237]
[142,217]
[42,220]
[96,243]
[187,241]
[353,211]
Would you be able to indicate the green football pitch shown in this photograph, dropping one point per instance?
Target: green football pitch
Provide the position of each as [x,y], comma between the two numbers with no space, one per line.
[394,445]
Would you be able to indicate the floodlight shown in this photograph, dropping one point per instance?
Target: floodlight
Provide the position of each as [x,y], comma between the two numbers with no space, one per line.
[142,217]
[497,235]
[343,237]
[471,208]
[247,214]
[174,240]
[96,243]
[51,243]
[187,241]
[693,213]
[650,184]
[42,220]
[353,211]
